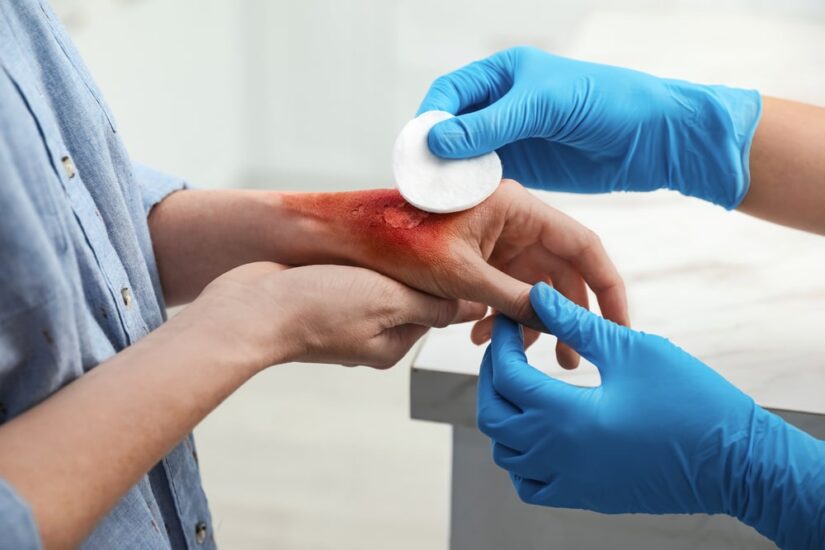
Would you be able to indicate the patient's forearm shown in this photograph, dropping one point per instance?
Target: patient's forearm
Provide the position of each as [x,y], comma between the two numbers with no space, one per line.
[787,164]
[74,455]
[198,235]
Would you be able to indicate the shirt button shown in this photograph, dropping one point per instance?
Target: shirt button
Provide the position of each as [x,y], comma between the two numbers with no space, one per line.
[68,167]
[200,532]
[126,294]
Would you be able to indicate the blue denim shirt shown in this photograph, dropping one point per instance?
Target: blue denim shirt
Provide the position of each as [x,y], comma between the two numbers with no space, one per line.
[78,281]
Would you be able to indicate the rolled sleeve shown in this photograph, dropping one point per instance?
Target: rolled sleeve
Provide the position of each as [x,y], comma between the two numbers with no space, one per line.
[155,185]
[17,526]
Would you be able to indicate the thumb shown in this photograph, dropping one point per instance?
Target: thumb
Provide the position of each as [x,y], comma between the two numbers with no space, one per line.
[506,294]
[479,132]
[598,340]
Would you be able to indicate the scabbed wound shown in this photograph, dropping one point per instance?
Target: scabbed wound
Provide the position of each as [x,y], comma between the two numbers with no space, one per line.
[440,185]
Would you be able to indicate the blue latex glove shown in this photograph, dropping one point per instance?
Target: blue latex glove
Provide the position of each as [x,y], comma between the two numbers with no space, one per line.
[568,125]
[663,433]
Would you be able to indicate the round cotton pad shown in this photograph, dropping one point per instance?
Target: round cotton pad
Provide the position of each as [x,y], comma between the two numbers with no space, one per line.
[438,185]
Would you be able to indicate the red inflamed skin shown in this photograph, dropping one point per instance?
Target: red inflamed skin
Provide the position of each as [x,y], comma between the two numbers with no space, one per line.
[492,253]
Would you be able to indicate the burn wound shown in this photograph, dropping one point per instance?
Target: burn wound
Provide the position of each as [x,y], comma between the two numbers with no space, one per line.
[404,216]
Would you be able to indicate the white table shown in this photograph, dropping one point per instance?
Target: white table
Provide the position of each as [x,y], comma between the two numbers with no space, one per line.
[745,296]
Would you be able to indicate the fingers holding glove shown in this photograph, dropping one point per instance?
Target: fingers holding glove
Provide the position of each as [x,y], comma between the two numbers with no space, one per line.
[662,433]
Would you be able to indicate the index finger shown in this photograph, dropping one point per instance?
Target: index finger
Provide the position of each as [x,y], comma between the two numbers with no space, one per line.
[420,308]
[513,377]
[567,238]
[479,83]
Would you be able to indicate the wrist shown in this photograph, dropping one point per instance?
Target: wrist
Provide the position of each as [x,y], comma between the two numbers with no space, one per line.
[780,489]
[240,342]
[712,155]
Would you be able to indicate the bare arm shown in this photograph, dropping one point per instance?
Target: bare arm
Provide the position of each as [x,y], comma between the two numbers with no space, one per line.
[198,235]
[74,455]
[490,254]
[787,164]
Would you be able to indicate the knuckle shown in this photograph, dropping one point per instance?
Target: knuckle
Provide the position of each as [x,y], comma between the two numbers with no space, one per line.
[499,461]
[523,49]
[445,314]
[523,492]
[380,357]
[385,363]
[591,241]
[521,306]
[443,83]
[484,421]
[499,457]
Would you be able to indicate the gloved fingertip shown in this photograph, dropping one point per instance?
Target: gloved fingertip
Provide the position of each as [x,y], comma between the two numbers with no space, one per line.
[503,325]
[545,301]
[558,314]
[539,291]
[507,340]
[448,140]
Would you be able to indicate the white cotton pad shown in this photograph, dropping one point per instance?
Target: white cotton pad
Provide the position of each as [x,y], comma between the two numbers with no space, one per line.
[434,184]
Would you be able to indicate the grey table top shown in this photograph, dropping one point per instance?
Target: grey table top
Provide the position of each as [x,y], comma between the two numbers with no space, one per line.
[745,296]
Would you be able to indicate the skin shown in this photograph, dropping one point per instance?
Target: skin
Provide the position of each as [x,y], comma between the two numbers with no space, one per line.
[787,164]
[491,254]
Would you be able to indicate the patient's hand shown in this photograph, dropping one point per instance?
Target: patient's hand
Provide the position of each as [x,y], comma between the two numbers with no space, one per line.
[491,254]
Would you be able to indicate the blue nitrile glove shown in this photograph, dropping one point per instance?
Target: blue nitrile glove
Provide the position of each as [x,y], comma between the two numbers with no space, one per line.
[663,433]
[567,125]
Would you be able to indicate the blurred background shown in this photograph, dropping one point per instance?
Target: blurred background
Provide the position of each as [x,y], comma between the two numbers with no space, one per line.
[309,95]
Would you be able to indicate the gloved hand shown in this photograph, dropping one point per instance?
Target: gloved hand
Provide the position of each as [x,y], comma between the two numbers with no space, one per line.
[568,125]
[663,433]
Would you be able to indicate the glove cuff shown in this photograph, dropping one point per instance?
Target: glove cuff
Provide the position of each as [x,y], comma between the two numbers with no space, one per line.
[714,160]
[780,490]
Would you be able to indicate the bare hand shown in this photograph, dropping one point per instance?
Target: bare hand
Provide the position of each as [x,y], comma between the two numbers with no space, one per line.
[490,254]
[326,314]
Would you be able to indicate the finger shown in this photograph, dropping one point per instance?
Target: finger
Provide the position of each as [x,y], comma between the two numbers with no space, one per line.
[524,267]
[389,347]
[469,311]
[532,491]
[571,284]
[510,296]
[483,330]
[514,378]
[541,265]
[565,237]
[530,337]
[597,339]
[494,414]
[420,308]
[482,131]
[479,83]
[516,462]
